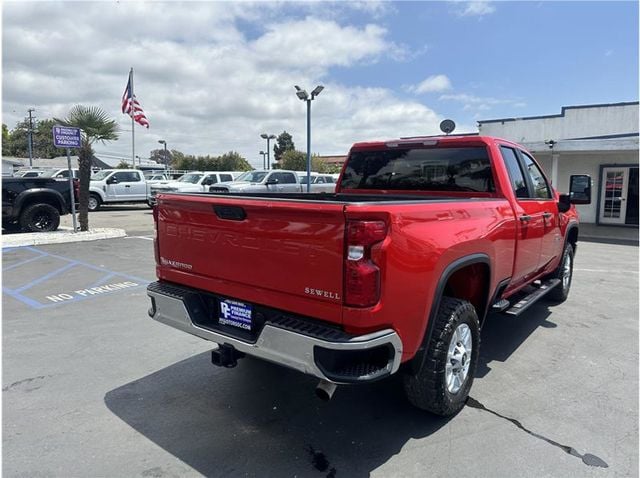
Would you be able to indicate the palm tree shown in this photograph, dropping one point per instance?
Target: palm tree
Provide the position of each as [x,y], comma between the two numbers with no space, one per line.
[96,126]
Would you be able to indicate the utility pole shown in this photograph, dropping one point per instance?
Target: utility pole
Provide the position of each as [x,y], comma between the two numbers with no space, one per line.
[30,138]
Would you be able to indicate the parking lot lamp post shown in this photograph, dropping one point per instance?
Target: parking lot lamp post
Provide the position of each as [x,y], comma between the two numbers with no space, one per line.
[162,141]
[268,137]
[264,159]
[304,96]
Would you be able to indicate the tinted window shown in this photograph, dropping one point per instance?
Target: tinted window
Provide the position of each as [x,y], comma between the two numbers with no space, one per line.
[211,178]
[437,169]
[226,177]
[540,187]
[127,177]
[518,182]
[284,178]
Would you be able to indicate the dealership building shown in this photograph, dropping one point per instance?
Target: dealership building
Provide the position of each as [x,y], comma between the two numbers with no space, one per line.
[598,140]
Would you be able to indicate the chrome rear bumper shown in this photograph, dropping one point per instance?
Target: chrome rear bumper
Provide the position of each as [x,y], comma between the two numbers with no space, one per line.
[283,342]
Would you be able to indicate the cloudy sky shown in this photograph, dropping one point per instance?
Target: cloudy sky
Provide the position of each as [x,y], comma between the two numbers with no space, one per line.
[213,76]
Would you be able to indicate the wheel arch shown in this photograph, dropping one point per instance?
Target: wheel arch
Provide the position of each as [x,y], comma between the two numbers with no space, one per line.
[41,195]
[450,283]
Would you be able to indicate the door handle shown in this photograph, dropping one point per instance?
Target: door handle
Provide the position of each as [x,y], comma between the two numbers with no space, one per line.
[546,215]
[127,186]
[525,218]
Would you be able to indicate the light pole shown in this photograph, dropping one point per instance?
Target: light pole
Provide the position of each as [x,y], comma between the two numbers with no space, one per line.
[264,157]
[304,96]
[268,137]
[162,141]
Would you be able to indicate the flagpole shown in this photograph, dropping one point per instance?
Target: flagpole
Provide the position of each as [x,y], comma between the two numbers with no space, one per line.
[133,129]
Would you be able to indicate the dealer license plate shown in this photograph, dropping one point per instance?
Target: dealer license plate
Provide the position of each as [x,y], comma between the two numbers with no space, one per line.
[235,313]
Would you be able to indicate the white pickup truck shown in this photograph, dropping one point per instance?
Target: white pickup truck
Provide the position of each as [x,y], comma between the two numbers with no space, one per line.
[320,183]
[194,182]
[260,181]
[116,186]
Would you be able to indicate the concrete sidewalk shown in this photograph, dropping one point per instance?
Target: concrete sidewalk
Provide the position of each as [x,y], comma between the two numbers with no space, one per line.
[62,235]
[608,234]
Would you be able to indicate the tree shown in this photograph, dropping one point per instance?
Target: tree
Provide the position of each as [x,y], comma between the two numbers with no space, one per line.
[6,138]
[293,160]
[158,155]
[297,161]
[232,161]
[96,126]
[284,142]
[123,165]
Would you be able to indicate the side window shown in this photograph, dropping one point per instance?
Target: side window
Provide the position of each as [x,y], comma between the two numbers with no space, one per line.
[540,187]
[226,177]
[285,178]
[211,178]
[63,174]
[320,180]
[518,182]
[121,177]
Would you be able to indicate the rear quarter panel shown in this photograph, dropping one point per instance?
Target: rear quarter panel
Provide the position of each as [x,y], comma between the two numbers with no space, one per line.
[423,240]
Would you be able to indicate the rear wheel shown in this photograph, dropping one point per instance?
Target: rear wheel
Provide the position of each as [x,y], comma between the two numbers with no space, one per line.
[94,202]
[40,218]
[564,272]
[442,383]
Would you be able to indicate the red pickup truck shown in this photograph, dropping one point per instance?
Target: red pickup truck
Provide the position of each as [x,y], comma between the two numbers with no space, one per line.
[395,272]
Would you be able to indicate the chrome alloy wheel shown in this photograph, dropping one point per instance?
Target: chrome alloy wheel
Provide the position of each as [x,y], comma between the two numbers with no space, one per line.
[93,203]
[566,271]
[458,358]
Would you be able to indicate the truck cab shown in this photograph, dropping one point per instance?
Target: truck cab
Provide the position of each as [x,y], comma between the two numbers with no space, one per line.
[116,186]
[262,181]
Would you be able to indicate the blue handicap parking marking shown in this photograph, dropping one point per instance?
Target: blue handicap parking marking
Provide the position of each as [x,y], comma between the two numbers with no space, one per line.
[63,280]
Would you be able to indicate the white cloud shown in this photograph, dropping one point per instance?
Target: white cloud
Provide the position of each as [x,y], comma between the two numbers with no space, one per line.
[481,103]
[210,76]
[476,9]
[431,84]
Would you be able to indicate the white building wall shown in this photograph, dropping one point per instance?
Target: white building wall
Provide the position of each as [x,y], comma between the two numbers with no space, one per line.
[577,122]
[585,163]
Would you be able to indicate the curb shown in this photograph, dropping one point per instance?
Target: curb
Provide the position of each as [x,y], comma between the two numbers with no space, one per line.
[62,235]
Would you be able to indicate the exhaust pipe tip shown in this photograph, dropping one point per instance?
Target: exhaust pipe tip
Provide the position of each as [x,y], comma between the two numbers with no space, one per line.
[325,390]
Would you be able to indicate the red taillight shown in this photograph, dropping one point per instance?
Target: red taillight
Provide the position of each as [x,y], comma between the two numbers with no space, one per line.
[156,249]
[366,233]
[362,275]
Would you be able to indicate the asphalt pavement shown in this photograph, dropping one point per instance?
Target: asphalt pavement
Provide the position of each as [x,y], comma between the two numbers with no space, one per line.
[93,387]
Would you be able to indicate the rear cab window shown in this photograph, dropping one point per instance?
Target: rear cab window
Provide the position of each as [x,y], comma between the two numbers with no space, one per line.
[459,169]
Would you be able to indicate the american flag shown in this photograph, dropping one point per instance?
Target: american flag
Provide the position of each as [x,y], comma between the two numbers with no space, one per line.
[131,106]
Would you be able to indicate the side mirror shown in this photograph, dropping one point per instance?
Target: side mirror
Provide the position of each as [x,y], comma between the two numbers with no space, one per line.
[579,192]
[271,182]
[207,182]
[580,189]
[112,180]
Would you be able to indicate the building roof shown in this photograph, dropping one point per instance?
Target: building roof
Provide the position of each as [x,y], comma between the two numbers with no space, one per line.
[562,112]
[336,159]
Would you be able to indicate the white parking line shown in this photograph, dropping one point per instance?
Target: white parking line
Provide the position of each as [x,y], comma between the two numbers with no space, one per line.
[146,238]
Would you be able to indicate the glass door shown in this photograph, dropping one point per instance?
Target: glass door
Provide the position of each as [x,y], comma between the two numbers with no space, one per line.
[613,202]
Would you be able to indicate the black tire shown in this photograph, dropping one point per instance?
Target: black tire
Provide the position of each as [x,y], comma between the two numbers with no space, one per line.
[94,202]
[564,272]
[428,388]
[40,218]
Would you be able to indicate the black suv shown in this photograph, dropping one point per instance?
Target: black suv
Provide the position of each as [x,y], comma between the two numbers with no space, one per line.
[35,204]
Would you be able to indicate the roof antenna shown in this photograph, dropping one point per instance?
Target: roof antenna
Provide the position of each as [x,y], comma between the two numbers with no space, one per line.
[447,126]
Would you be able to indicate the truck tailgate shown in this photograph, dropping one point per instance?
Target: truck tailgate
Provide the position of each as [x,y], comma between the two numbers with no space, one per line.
[244,248]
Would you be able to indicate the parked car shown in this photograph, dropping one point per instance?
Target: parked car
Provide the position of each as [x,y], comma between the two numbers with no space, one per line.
[197,181]
[35,204]
[111,186]
[60,173]
[260,181]
[320,183]
[28,173]
[394,273]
